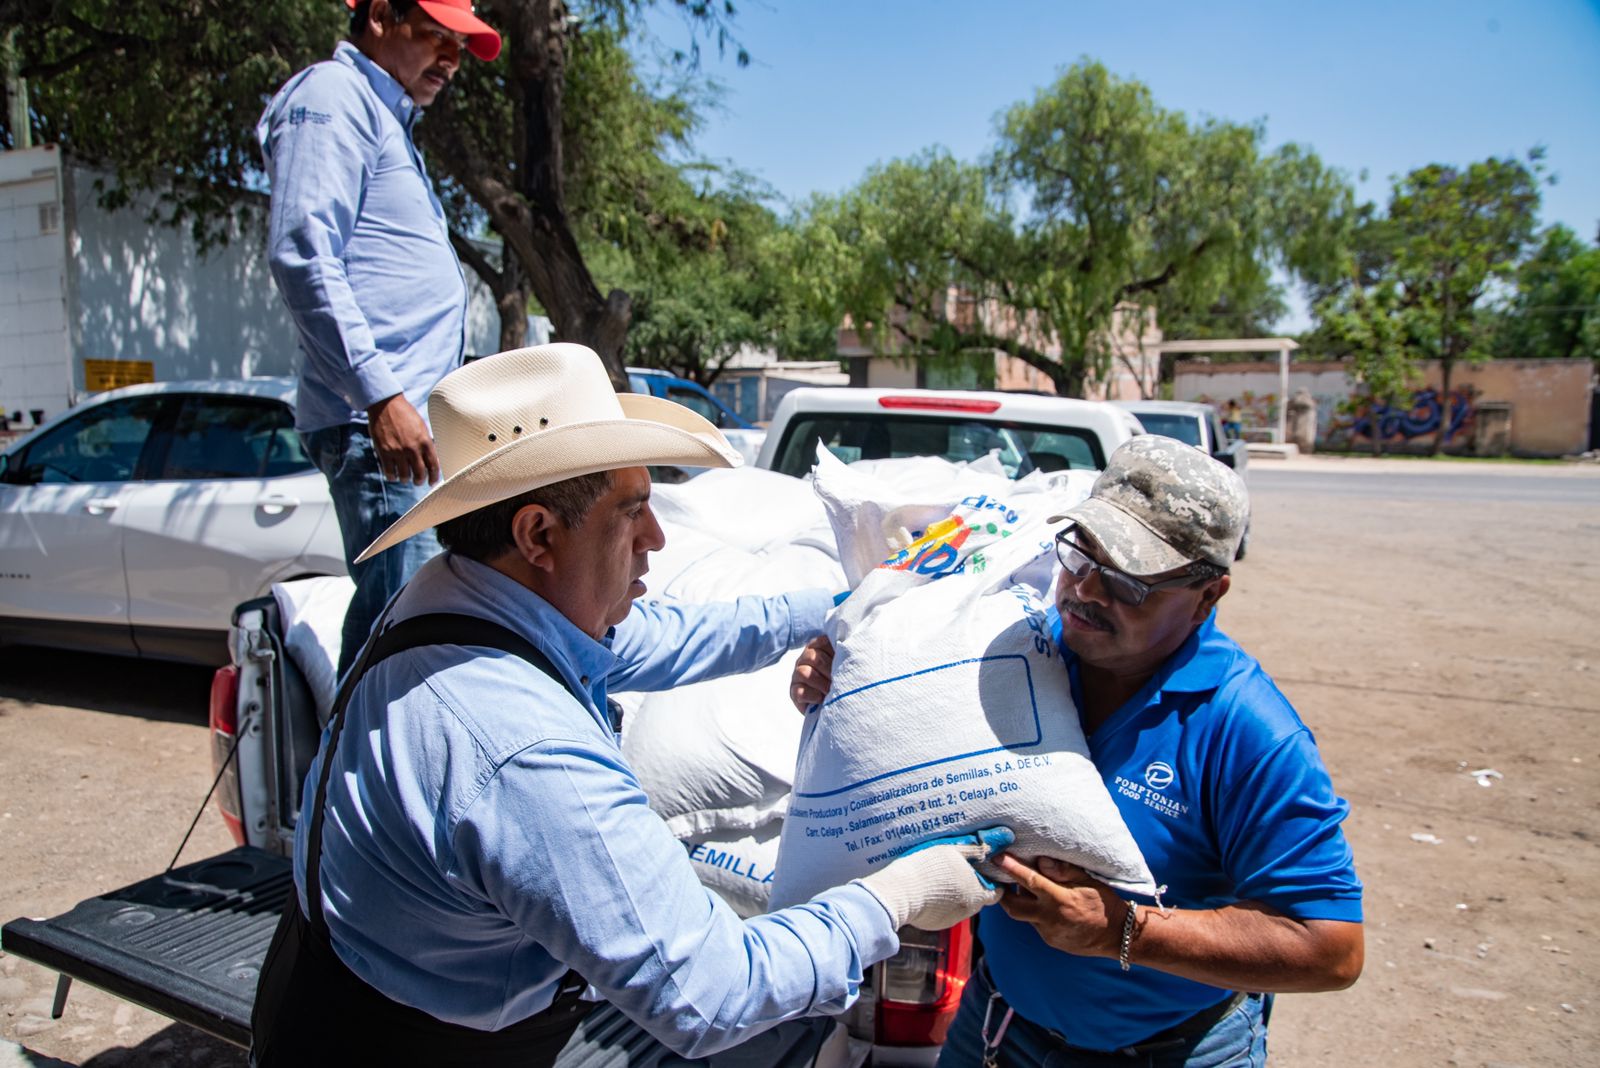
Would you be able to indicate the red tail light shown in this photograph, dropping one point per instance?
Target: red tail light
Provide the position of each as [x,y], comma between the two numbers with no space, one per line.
[224,732]
[940,404]
[920,987]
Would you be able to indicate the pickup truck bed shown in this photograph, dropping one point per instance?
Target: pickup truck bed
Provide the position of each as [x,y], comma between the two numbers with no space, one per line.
[189,944]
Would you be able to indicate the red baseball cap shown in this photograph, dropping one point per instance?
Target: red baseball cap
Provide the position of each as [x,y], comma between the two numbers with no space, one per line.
[482,40]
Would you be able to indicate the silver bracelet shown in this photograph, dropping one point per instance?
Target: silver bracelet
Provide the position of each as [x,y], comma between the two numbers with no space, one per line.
[1128,925]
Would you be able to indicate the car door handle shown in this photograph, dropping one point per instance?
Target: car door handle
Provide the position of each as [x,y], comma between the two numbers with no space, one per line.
[100,505]
[278,504]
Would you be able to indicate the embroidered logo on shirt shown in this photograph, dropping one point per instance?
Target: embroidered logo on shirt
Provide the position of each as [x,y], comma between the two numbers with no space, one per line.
[303,115]
[1158,776]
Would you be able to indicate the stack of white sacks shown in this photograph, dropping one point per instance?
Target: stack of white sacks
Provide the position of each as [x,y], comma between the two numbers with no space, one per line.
[950,709]
[717,758]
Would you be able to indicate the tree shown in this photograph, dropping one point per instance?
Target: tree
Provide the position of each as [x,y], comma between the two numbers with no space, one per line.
[704,288]
[1094,198]
[170,104]
[1457,231]
[899,253]
[1372,329]
[1555,311]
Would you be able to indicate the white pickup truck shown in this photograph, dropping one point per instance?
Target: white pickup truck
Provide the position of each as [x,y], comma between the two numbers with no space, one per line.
[189,942]
[1027,431]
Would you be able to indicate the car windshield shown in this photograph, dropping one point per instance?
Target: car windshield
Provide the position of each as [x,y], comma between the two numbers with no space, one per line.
[1021,447]
[1186,428]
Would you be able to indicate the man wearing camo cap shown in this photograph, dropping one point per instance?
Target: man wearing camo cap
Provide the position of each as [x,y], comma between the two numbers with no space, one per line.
[1215,775]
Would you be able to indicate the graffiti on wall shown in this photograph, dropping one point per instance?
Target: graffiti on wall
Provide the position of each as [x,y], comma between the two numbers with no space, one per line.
[1348,419]
[1256,410]
[1358,419]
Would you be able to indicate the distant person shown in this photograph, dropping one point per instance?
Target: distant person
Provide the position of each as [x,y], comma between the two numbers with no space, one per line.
[1216,777]
[360,251]
[1232,420]
[474,851]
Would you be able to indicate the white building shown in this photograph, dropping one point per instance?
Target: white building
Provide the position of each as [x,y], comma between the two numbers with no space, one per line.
[91,299]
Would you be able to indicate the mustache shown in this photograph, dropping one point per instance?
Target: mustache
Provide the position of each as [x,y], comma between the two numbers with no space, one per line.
[1089,612]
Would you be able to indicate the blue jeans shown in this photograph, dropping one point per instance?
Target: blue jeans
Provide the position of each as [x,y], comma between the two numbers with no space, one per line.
[1238,1040]
[366,504]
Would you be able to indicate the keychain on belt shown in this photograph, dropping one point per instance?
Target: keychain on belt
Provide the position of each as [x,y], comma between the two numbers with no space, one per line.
[991,1045]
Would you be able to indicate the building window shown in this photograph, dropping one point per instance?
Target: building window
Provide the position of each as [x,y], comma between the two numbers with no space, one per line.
[49,218]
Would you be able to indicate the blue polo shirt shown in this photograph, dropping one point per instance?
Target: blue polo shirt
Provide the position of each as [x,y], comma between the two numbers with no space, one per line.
[1224,790]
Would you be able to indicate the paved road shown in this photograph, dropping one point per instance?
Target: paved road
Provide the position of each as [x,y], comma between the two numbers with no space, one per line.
[1426,481]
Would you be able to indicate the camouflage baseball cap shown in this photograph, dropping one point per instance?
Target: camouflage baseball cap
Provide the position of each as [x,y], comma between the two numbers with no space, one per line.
[1161,504]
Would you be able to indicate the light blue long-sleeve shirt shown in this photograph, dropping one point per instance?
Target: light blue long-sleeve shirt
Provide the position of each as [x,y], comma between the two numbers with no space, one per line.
[484,833]
[358,243]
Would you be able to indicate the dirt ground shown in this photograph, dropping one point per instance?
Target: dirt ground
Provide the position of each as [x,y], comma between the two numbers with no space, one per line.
[1422,641]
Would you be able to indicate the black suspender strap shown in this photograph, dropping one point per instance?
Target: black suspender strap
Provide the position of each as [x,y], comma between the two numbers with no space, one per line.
[439,628]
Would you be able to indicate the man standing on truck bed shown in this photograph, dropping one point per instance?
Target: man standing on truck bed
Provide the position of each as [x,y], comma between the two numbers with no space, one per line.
[1213,772]
[478,851]
[360,251]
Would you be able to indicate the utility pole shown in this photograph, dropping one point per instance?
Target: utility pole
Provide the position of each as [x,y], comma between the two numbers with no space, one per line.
[16,92]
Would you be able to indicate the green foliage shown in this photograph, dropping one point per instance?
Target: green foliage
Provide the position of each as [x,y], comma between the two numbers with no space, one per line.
[1094,198]
[1374,330]
[1414,283]
[705,286]
[558,143]
[1555,311]
[1455,232]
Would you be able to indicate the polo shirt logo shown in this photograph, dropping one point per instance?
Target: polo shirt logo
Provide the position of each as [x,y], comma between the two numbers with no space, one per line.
[1158,775]
[299,116]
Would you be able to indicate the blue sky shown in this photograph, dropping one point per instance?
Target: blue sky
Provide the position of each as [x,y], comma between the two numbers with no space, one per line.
[1377,87]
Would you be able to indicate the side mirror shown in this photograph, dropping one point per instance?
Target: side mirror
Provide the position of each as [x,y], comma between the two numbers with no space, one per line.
[12,471]
[1226,457]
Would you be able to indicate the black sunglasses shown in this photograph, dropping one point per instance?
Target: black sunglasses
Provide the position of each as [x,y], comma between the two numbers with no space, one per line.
[1119,584]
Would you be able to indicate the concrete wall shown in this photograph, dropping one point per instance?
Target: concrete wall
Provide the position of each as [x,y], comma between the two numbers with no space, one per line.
[35,339]
[146,292]
[886,372]
[1549,403]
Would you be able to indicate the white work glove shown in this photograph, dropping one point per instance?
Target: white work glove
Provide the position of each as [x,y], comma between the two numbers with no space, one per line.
[934,885]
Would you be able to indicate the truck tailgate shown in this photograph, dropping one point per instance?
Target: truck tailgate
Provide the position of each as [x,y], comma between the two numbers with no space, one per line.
[189,944]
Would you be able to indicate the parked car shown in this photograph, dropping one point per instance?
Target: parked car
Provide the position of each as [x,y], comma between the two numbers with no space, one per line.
[1195,424]
[740,432]
[136,521]
[1030,432]
[690,394]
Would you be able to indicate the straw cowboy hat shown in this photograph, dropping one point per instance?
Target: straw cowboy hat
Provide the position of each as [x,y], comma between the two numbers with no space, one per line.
[510,423]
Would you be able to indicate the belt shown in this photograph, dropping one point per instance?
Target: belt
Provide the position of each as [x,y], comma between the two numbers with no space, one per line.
[1172,1037]
[1179,1033]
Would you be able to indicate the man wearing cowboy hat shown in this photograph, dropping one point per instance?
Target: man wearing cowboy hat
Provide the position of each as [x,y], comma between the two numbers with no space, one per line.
[361,255]
[476,852]
[1214,774]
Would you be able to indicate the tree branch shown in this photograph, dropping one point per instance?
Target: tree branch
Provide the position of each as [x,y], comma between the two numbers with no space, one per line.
[1150,285]
[473,257]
